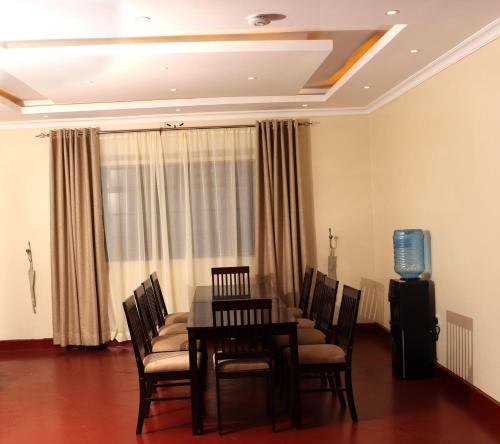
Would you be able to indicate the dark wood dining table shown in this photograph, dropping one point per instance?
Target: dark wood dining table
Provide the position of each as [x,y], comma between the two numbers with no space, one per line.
[200,327]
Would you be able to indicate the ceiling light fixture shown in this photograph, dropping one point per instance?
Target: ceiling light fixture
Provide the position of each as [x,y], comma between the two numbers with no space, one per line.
[45,116]
[177,110]
[143,19]
[414,51]
[173,89]
[392,12]
[305,105]
[252,78]
[367,87]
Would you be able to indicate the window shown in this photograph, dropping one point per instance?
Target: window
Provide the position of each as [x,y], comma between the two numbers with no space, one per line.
[208,203]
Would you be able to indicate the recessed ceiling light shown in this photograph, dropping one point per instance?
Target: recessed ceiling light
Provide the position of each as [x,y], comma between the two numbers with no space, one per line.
[177,110]
[45,116]
[163,68]
[305,105]
[392,12]
[173,89]
[252,77]
[414,51]
[143,19]
[367,87]
[88,82]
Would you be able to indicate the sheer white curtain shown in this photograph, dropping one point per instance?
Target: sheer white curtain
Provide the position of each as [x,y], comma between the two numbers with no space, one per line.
[178,203]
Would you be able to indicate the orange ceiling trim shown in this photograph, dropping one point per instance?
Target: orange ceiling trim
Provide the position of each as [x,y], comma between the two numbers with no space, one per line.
[353,58]
[11,97]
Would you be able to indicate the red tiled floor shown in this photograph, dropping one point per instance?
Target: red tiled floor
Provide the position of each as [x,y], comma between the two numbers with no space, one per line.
[58,396]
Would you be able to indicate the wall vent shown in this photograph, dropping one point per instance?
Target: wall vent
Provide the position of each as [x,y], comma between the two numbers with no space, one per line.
[459,345]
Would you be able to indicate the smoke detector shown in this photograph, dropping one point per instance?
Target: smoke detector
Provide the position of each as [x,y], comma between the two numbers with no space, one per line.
[264,19]
[259,20]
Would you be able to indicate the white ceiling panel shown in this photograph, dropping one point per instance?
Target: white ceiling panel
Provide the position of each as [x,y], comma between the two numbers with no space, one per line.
[195,70]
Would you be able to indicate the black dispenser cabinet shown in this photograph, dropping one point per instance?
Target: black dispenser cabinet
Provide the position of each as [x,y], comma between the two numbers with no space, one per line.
[414,329]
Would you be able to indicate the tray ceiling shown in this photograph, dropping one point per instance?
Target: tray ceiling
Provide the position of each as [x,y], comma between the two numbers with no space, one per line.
[61,59]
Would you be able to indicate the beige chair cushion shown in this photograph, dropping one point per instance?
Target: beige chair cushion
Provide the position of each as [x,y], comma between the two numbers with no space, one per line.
[305,323]
[174,318]
[173,329]
[305,336]
[242,365]
[319,354]
[168,362]
[170,343]
[296,312]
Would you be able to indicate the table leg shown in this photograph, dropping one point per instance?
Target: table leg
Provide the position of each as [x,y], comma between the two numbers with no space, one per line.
[294,380]
[196,415]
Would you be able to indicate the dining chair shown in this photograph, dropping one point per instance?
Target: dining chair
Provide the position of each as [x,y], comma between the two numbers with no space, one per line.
[155,370]
[168,318]
[151,316]
[310,321]
[330,360]
[305,291]
[154,342]
[231,282]
[320,334]
[323,327]
[243,345]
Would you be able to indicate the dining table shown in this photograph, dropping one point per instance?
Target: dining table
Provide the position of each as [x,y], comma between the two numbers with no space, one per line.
[200,328]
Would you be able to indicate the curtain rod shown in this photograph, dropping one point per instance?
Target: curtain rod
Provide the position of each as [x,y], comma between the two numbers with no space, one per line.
[169,128]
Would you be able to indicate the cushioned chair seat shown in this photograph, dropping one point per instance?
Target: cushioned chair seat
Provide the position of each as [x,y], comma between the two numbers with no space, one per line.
[168,362]
[174,318]
[305,336]
[173,329]
[242,365]
[168,343]
[305,323]
[296,312]
[319,354]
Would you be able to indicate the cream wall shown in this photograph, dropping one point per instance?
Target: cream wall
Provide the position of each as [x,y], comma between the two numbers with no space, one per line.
[436,165]
[334,157]
[340,196]
[24,216]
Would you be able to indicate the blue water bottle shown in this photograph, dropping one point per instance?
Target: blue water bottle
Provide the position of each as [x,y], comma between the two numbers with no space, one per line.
[409,258]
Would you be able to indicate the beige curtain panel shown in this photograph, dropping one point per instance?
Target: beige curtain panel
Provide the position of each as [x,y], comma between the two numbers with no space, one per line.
[79,266]
[280,249]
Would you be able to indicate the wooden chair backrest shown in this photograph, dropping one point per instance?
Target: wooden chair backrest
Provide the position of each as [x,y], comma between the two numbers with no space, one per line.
[231,282]
[348,316]
[159,293]
[324,321]
[146,313]
[154,303]
[137,333]
[316,301]
[242,328]
[305,289]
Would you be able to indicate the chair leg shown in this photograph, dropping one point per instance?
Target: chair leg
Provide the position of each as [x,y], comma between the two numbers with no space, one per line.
[270,400]
[338,384]
[287,383]
[332,384]
[219,419]
[350,395]
[324,379]
[143,406]
[281,368]
[150,388]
